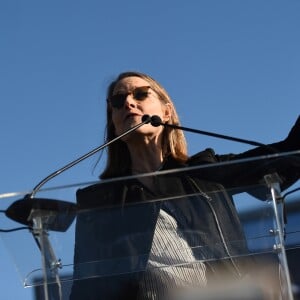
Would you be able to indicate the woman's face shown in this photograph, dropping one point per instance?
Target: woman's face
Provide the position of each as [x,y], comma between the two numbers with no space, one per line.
[130,113]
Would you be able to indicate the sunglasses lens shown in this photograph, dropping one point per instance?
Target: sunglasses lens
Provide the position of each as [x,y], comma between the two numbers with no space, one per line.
[141,93]
[117,101]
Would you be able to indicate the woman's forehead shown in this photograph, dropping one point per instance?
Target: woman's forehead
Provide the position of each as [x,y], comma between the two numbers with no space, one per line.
[130,82]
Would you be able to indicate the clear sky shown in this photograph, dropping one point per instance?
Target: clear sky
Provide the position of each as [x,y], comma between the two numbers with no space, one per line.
[231,67]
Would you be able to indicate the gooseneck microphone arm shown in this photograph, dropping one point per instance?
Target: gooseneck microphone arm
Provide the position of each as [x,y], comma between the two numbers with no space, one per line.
[156,121]
[145,119]
[42,215]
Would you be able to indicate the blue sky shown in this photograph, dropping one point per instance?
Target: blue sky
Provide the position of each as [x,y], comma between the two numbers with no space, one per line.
[231,67]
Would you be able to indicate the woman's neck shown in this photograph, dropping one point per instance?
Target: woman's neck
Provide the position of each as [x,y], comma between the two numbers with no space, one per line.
[145,158]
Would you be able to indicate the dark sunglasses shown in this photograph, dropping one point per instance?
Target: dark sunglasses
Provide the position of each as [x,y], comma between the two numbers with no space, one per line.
[139,93]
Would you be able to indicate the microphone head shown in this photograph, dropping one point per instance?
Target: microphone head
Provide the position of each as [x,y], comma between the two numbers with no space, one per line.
[146,119]
[156,121]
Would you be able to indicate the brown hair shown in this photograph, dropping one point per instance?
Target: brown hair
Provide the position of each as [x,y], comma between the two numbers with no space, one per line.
[173,141]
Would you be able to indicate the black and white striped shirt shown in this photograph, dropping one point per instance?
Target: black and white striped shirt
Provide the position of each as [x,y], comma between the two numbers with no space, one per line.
[172,263]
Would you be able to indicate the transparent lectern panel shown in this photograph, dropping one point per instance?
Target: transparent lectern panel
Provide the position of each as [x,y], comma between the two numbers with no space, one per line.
[20,239]
[194,222]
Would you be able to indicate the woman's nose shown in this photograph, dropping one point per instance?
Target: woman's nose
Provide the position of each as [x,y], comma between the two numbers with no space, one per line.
[129,101]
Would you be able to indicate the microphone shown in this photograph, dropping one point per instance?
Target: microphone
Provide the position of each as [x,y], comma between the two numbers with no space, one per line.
[21,210]
[156,121]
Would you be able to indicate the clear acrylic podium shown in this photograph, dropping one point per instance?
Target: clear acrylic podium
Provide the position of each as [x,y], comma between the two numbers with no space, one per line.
[44,251]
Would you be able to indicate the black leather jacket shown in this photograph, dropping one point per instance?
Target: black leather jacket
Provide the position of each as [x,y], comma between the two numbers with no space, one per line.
[118,238]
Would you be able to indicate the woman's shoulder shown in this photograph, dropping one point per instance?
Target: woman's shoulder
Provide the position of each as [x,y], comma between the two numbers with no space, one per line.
[206,156]
[99,194]
[209,156]
[203,157]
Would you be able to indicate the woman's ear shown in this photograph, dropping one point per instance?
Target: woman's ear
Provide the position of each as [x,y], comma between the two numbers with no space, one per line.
[167,112]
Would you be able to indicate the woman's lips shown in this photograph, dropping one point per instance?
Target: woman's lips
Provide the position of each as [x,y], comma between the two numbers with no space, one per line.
[132,115]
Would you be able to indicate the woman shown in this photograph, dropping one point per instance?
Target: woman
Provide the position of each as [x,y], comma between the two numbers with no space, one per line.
[142,247]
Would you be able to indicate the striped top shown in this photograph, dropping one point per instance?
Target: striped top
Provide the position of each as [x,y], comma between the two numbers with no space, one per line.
[172,263]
